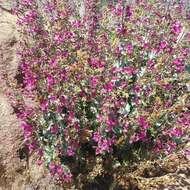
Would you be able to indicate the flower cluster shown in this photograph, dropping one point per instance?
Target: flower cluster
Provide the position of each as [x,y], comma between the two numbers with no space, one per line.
[113,76]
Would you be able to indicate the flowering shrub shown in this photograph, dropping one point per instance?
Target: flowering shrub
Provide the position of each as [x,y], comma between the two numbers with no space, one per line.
[102,81]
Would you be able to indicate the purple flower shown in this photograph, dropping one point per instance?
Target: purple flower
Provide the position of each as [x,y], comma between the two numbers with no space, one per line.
[67,177]
[96,136]
[129,48]
[40,152]
[44,105]
[179,65]
[163,45]
[176,132]
[60,170]
[168,86]
[27,129]
[94,81]
[176,28]
[128,11]
[50,80]
[109,86]
[143,123]
[96,63]
[54,130]
[52,167]
[70,151]
[53,63]
[32,146]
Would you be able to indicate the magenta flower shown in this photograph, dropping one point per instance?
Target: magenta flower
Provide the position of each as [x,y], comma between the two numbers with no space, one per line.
[32,146]
[163,45]
[44,105]
[129,49]
[176,132]
[67,177]
[54,129]
[125,128]
[70,151]
[40,152]
[99,118]
[176,28]
[177,62]
[96,136]
[142,135]
[53,63]
[50,80]
[94,81]
[60,170]
[27,130]
[39,162]
[109,86]
[143,123]
[95,63]
[137,89]
[129,11]
[52,167]
[110,122]
[168,86]
[179,65]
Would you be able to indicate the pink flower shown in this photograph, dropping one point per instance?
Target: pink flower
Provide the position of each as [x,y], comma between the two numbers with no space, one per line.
[39,162]
[71,116]
[133,138]
[130,70]
[168,86]
[27,2]
[30,82]
[53,63]
[177,62]
[163,45]
[95,63]
[44,105]
[119,11]
[49,8]
[27,129]
[142,135]
[143,123]
[179,65]
[176,132]
[40,152]
[99,118]
[60,170]
[54,130]
[96,136]
[109,86]
[50,80]
[125,127]
[32,146]
[67,177]
[65,53]
[128,11]
[170,147]
[137,89]
[129,48]
[110,122]
[176,28]
[94,81]
[52,167]
[70,151]
[59,38]
[150,64]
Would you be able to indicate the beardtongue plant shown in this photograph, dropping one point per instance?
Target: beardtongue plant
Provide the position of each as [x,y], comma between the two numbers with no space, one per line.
[101,82]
